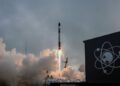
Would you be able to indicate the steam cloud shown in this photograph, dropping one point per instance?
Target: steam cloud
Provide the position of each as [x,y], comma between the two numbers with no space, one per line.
[17,69]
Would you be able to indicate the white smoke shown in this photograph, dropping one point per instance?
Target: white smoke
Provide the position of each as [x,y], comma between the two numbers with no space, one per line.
[17,69]
[69,74]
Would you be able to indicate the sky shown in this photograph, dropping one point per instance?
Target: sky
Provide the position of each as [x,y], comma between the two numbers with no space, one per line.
[33,24]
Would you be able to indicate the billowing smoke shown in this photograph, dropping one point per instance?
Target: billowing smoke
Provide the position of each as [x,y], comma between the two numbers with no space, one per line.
[69,74]
[17,69]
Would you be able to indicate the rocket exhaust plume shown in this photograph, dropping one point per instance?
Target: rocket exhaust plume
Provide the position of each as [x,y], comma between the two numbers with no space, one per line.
[59,58]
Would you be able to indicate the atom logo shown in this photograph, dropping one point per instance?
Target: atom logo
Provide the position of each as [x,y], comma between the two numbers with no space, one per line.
[107,58]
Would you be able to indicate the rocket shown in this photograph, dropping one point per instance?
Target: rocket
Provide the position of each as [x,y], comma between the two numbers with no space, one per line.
[59,36]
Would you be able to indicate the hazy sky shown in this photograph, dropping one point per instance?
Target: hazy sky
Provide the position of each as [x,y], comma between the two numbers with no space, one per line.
[35,22]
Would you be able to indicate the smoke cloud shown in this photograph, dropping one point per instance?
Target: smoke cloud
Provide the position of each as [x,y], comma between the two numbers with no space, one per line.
[17,69]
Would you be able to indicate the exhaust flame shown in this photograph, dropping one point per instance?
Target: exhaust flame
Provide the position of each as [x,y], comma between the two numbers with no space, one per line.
[59,58]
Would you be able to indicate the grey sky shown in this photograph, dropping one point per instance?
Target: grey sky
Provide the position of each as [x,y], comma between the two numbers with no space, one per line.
[35,21]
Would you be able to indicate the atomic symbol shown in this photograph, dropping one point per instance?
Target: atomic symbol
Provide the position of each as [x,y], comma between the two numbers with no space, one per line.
[107,57]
